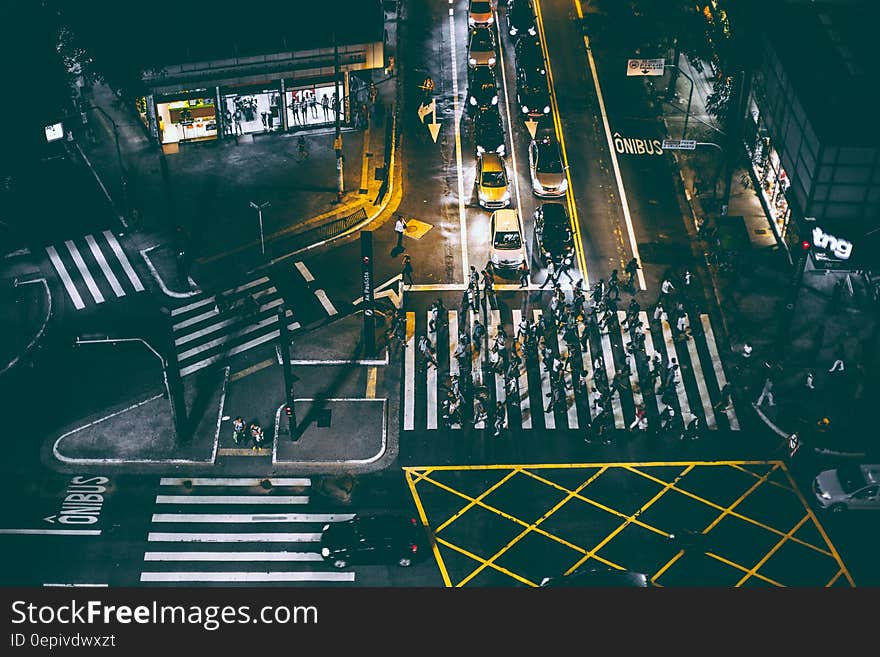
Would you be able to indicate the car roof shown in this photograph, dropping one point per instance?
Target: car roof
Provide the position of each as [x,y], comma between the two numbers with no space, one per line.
[381,524]
[492,162]
[554,214]
[489,116]
[482,75]
[482,32]
[505,220]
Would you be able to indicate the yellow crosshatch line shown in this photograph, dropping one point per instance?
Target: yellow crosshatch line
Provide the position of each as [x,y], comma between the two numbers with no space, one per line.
[422,474]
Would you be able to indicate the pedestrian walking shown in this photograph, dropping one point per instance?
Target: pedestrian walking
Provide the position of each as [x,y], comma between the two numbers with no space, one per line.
[407,271]
[667,288]
[631,268]
[427,349]
[658,312]
[256,432]
[747,351]
[472,298]
[238,430]
[488,281]
[551,278]
[694,429]
[474,278]
[681,326]
[563,268]
[671,371]
[500,416]
[478,333]
[523,274]
[809,381]
[399,227]
[838,365]
[614,286]
[766,393]
[438,315]
[725,402]
[598,292]
[640,423]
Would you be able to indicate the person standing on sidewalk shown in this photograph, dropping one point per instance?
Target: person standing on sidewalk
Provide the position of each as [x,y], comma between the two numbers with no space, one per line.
[407,271]
[766,393]
[523,274]
[399,228]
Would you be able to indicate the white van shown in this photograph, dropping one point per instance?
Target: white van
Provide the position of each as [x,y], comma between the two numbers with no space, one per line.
[507,248]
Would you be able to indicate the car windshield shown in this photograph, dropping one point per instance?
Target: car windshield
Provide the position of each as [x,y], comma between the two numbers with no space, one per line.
[548,159]
[507,240]
[481,40]
[851,478]
[480,7]
[494,179]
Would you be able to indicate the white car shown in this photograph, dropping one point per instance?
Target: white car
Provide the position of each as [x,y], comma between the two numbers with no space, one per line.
[849,487]
[507,249]
[546,169]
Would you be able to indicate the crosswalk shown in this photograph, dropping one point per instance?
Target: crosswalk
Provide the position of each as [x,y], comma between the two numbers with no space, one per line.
[527,392]
[94,270]
[233,531]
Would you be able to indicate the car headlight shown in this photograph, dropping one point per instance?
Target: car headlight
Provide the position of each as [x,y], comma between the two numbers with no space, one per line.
[480,150]
[505,196]
[471,21]
[532,31]
[568,260]
[564,186]
[494,100]
[500,150]
[543,71]
[472,61]
[491,20]
[325,528]
[825,495]
[325,552]
[495,258]
[546,109]
[513,31]
[525,109]
[473,101]
[491,61]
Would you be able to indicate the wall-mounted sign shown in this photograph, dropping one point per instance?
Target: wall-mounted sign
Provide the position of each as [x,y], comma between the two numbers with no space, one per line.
[54,132]
[643,67]
[839,248]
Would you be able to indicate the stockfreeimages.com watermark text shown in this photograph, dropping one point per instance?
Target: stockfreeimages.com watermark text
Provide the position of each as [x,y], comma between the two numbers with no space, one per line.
[209,617]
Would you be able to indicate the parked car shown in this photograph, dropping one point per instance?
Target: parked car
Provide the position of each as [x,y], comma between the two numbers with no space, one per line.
[507,248]
[489,132]
[849,487]
[375,539]
[528,54]
[481,47]
[546,169]
[482,89]
[480,12]
[532,92]
[553,233]
[493,185]
[604,578]
[521,19]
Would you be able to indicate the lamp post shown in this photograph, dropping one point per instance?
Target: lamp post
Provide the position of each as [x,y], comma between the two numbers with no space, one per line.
[173,389]
[687,112]
[259,209]
[337,142]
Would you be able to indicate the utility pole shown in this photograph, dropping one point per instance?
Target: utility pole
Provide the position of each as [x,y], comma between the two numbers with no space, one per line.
[368,298]
[259,209]
[687,112]
[337,143]
[289,378]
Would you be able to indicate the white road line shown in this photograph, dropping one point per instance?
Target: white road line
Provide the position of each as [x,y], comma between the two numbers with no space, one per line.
[195,319]
[670,354]
[232,499]
[431,382]
[719,368]
[211,299]
[456,112]
[571,404]
[213,328]
[189,369]
[586,355]
[105,267]
[296,576]
[409,373]
[610,369]
[65,278]
[79,586]
[84,272]
[223,339]
[123,260]
[500,392]
[634,370]
[453,345]
[234,481]
[322,297]
[649,343]
[232,556]
[546,393]
[251,517]
[617,177]
[233,537]
[476,367]
[306,274]
[697,368]
[52,532]
[523,379]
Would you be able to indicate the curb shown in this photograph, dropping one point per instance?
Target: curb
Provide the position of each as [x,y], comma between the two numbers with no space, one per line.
[39,333]
[155,274]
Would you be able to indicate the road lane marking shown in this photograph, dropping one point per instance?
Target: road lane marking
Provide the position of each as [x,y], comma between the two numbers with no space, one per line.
[65,278]
[84,272]
[232,556]
[211,299]
[233,537]
[670,354]
[570,402]
[409,373]
[476,366]
[223,339]
[372,372]
[105,267]
[232,499]
[306,274]
[189,369]
[234,481]
[52,532]
[587,359]
[251,517]
[462,219]
[610,369]
[123,260]
[431,383]
[719,369]
[697,368]
[212,328]
[295,576]
[322,297]
[634,371]
[546,393]
[523,380]
[500,392]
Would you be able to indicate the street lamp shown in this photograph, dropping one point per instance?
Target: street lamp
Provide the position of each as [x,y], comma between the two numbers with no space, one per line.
[687,112]
[259,209]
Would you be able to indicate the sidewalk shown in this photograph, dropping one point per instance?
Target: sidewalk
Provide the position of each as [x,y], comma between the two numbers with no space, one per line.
[25,311]
[794,328]
[343,427]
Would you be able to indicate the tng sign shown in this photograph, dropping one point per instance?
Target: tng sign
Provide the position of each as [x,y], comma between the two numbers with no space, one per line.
[842,249]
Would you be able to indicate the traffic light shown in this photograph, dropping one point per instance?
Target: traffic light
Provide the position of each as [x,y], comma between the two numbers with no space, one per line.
[805,245]
[366,260]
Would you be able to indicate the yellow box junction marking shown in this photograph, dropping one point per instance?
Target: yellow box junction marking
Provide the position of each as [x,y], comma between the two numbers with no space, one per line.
[416,229]
[425,476]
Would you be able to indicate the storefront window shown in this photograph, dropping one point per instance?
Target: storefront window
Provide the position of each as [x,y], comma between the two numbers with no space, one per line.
[313,106]
[247,113]
[187,120]
[141,105]
[774,181]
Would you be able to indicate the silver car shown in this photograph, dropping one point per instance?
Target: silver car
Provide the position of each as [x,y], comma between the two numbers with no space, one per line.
[849,487]
[481,48]
[547,171]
